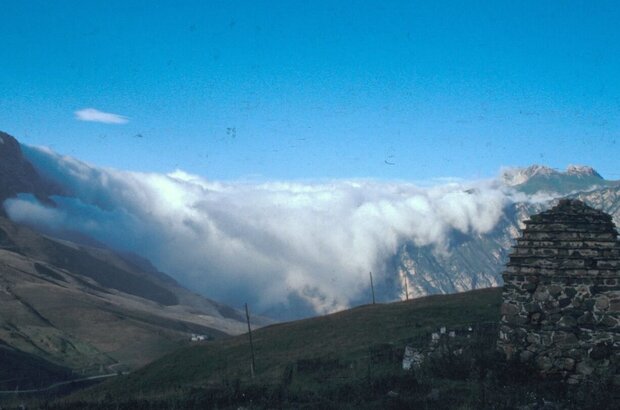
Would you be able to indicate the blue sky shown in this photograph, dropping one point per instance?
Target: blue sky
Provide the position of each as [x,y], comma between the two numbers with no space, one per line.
[314,90]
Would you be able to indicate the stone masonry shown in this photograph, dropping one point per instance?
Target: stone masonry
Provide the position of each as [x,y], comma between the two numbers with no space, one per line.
[561,297]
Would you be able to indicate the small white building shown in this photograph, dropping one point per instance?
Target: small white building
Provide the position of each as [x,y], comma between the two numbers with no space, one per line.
[198,338]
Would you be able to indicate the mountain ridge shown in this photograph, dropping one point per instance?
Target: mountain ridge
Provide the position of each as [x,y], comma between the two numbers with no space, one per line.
[18,175]
[82,306]
[58,309]
[470,260]
[539,178]
[477,261]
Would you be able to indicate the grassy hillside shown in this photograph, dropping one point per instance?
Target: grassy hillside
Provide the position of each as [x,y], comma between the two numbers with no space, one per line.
[95,311]
[336,348]
[52,313]
[351,360]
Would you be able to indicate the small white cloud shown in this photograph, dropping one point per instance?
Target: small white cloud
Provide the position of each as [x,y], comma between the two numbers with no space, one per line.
[94,115]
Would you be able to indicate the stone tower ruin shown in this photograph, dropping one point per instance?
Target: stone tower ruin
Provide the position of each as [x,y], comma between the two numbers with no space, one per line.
[561,297]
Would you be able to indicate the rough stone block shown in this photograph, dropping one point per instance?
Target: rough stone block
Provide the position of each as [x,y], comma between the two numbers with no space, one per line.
[576,354]
[588,304]
[509,309]
[587,252]
[516,320]
[564,302]
[544,363]
[602,302]
[608,321]
[600,351]
[565,339]
[608,264]
[541,296]
[586,319]
[532,307]
[565,363]
[526,356]
[533,338]
[555,290]
[570,292]
[567,322]
[584,368]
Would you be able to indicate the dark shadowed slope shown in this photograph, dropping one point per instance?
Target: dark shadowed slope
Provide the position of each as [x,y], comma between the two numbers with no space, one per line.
[17,175]
[20,371]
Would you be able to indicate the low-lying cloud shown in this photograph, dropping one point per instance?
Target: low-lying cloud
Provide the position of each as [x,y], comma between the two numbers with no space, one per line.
[94,115]
[267,243]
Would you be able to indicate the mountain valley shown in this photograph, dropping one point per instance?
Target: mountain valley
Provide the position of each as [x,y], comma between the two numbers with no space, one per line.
[86,309]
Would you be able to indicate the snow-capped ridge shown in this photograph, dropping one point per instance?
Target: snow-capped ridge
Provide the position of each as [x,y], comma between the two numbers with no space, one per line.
[582,170]
[519,176]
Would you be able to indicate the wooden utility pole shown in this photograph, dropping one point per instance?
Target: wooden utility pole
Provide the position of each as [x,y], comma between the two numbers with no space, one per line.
[406,287]
[372,287]
[253,364]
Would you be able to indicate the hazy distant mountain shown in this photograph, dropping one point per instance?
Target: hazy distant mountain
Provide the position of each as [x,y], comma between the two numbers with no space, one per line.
[476,261]
[538,178]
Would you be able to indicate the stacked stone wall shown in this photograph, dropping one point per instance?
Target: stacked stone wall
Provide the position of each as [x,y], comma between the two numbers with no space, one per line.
[561,298]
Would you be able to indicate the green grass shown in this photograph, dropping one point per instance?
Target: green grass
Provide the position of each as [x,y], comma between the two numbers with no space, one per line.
[337,348]
[350,360]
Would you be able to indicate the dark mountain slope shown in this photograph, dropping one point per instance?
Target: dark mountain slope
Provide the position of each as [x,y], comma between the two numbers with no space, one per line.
[17,175]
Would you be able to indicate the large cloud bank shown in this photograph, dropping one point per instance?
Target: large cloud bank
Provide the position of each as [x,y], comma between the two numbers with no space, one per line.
[266,243]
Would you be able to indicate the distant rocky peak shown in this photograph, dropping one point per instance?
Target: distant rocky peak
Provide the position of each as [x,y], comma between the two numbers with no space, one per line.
[539,178]
[518,176]
[582,170]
